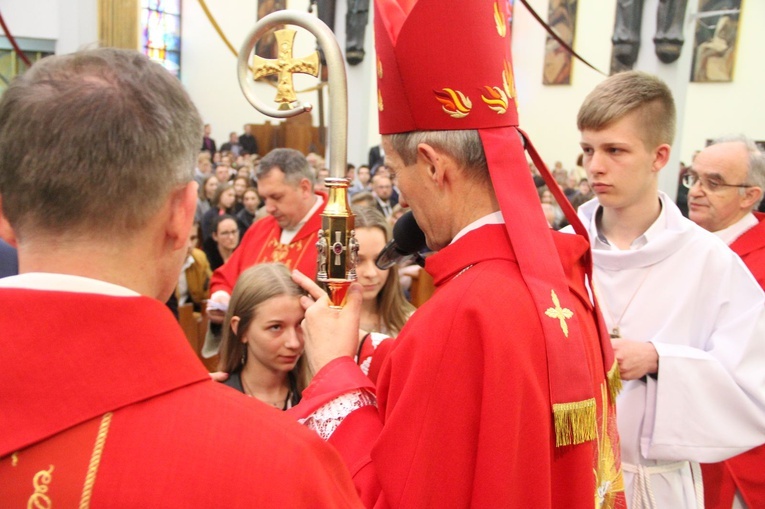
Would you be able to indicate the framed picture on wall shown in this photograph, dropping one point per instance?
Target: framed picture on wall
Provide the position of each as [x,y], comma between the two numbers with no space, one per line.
[561,16]
[266,47]
[714,48]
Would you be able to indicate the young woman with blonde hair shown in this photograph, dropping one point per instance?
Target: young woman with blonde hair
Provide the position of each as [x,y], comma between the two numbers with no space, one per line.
[384,309]
[262,343]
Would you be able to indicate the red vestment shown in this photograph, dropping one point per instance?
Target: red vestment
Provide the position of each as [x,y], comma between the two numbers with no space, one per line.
[751,248]
[745,472]
[261,244]
[464,413]
[103,400]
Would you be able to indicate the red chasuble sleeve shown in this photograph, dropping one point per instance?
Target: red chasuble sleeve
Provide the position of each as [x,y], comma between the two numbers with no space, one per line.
[339,405]
[744,473]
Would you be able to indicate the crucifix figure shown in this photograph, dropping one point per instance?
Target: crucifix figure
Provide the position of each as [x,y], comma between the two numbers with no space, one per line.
[284,66]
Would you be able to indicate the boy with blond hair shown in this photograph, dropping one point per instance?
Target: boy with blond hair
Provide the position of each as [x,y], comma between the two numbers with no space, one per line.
[685,316]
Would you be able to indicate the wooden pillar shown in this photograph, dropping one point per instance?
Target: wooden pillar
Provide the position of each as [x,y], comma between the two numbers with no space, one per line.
[118,23]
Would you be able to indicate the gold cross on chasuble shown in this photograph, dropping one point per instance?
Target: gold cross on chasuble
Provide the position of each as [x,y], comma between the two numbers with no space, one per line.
[285,66]
[559,313]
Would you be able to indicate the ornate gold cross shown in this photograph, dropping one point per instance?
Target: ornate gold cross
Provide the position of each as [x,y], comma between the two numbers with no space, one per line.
[559,313]
[285,66]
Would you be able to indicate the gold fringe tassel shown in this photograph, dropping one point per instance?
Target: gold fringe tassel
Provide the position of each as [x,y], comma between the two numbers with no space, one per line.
[575,423]
[614,380]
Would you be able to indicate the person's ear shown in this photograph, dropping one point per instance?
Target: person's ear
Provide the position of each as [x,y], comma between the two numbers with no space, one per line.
[305,186]
[183,203]
[6,230]
[431,160]
[234,323]
[751,197]
[661,156]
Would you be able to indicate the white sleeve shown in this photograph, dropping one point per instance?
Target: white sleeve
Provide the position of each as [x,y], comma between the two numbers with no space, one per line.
[708,402]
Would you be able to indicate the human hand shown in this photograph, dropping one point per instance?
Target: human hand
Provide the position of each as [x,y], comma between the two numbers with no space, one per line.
[217,306]
[219,376]
[328,332]
[635,358]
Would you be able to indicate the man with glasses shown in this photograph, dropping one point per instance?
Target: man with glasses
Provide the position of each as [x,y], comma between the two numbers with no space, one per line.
[730,175]
[725,185]
[684,313]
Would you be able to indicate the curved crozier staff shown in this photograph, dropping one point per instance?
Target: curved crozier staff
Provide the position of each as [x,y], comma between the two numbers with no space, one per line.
[336,265]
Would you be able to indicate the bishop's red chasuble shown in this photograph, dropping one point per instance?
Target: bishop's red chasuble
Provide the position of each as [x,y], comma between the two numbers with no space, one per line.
[104,404]
[744,473]
[463,403]
[261,244]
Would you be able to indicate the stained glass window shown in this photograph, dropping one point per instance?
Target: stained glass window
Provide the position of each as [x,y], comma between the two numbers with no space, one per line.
[161,32]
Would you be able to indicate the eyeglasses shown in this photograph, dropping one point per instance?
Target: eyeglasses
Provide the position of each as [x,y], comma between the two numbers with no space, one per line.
[710,184]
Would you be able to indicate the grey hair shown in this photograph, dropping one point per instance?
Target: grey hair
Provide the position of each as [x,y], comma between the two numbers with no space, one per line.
[92,142]
[464,146]
[755,171]
[291,162]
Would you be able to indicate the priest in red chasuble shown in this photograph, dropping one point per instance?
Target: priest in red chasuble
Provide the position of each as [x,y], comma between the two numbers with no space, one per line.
[287,235]
[500,390]
[104,404]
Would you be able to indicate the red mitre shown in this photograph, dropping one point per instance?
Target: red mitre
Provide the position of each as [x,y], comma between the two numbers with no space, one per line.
[443,65]
[448,66]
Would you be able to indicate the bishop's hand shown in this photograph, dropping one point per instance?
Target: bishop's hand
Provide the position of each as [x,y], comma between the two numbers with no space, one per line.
[329,332]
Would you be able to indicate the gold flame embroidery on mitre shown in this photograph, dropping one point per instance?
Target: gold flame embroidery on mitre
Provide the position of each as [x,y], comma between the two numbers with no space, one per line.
[508,80]
[497,99]
[454,103]
[500,19]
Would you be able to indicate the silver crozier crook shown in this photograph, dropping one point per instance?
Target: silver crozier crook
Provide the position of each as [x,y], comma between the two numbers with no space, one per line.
[337,246]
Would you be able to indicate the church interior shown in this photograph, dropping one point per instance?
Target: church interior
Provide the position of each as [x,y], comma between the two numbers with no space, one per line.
[210,32]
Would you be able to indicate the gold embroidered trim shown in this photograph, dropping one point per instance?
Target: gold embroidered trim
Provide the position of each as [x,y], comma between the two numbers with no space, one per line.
[609,482]
[575,422]
[95,460]
[614,380]
[40,483]
[559,313]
